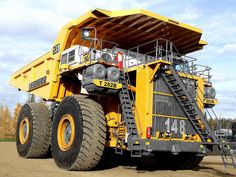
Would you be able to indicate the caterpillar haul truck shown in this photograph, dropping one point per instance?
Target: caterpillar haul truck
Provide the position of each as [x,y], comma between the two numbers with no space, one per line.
[121,80]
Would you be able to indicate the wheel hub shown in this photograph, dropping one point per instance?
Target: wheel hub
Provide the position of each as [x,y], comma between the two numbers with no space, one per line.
[65,132]
[24,130]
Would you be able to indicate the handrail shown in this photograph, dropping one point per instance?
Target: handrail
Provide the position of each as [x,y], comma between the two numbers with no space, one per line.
[203,96]
[164,49]
[170,52]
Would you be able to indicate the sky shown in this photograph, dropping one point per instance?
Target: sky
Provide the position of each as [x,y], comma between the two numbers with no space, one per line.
[29,27]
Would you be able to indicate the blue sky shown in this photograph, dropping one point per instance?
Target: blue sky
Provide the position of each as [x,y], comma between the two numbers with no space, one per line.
[28,29]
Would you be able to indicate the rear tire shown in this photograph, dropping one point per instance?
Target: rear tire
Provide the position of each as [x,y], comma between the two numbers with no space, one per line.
[182,161]
[33,130]
[83,148]
[190,161]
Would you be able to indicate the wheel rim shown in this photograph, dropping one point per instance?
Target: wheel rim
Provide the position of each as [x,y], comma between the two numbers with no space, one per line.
[24,130]
[66,132]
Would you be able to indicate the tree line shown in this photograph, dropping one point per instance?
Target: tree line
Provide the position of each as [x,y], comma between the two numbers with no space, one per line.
[8,121]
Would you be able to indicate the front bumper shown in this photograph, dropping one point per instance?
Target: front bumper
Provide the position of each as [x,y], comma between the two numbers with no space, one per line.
[136,144]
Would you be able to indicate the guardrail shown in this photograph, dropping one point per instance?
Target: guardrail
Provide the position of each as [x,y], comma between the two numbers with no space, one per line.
[162,49]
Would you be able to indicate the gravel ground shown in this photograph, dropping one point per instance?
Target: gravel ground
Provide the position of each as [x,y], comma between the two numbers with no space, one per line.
[11,165]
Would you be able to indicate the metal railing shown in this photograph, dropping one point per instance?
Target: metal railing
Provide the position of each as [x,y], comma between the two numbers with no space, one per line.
[162,49]
[159,49]
[102,49]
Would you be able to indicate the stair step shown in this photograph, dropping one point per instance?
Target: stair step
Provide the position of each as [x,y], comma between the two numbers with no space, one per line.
[174,85]
[165,68]
[196,120]
[168,75]
[171,80]
[182,97]
[126,106]
[178,90]
[193,114]
[188,104]
[228,156]
[188,110]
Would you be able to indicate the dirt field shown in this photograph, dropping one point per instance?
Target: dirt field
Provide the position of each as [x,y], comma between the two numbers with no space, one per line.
[13,166]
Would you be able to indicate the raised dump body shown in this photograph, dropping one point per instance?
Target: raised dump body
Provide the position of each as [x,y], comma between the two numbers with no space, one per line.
[138,26]
[123,80]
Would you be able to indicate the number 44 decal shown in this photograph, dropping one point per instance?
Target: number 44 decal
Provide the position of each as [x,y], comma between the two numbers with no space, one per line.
[175,126]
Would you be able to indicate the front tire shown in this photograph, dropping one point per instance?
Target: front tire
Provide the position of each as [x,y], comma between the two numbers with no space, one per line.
[33,130]
[78,133]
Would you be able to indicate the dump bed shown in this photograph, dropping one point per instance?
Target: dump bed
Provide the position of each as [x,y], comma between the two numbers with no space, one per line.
[37,77]
[128,28]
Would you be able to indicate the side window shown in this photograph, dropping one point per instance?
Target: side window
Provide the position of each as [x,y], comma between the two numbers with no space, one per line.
[64,59]
[71,56]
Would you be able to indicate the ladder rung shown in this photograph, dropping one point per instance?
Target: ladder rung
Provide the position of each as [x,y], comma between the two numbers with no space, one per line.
[189,105]
[168,75]
[195,120]
[174,85]
[126,105]
[185,105]
[171,80]
[190,110]
[193,114]
[182,97]
[178,90]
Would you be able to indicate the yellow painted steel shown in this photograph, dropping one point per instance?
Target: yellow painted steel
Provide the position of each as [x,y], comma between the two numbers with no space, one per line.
[48,64]
[149,14]
[210,101]
[55,88]
[144,95]
[63,145]
[154,72]
[200,93]
[162,93]
[143,99]
[171,117]
[113,122]
[107,84]
[24,130]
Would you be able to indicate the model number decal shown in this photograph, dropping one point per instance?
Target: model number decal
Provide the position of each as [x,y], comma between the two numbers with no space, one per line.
[108,84]
[175,126]
[56,49]
[208,101]
[38,83]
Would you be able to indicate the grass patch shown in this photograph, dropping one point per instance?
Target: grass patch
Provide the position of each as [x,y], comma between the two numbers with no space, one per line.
[7,140]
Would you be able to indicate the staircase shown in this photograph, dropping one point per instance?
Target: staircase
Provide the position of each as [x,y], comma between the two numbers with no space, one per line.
[126,107]
[228,155]
[188,104]
[196,117]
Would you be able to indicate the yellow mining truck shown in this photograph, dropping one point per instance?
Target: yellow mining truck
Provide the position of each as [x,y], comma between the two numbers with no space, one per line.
[120,80]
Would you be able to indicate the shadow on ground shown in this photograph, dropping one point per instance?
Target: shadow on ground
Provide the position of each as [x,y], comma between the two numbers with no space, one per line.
[149,165]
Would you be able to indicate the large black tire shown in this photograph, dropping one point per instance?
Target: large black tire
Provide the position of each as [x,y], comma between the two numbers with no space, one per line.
[190,161]
[39,127]
[182,161]
[85,151]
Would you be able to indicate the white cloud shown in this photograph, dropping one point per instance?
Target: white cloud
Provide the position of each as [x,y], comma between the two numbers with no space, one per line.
[29,29]
[220,29]
[189,14]
[228,48]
